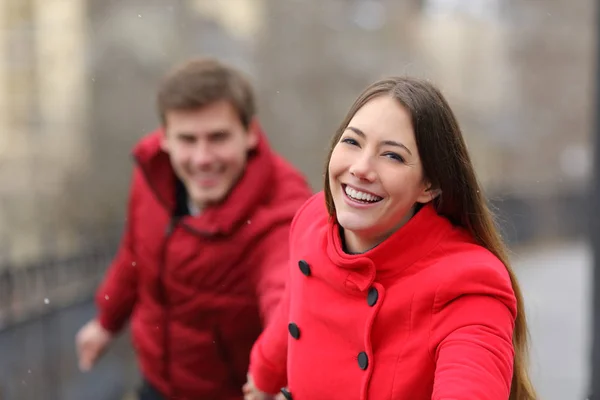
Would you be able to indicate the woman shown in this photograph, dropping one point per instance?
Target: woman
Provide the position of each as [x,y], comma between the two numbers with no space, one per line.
[400,285]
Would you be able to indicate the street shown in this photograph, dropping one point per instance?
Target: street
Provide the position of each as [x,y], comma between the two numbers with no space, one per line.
[557,287]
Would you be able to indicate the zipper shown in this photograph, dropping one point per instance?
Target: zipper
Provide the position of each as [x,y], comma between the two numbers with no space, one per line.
[173,223]
[165,299]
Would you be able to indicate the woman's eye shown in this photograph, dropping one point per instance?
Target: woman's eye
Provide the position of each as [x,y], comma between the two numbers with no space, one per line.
[394,156]
[350,141]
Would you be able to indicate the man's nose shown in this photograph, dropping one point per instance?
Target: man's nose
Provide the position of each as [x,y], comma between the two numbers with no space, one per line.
[203,154]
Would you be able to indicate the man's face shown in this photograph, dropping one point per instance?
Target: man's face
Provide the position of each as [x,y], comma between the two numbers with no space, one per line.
[208,148]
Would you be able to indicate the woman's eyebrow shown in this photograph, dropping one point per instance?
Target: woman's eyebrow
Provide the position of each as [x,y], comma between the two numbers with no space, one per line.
[384,142]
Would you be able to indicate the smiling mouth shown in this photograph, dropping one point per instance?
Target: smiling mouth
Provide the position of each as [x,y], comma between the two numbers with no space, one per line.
[359,196]
[206,181]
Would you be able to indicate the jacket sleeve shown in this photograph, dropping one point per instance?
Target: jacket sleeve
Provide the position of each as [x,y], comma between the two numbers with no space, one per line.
[117,294]
[471,338]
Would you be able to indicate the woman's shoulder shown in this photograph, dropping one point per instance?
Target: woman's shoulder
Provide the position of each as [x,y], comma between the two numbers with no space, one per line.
[313,209]
[464,268]
[310,219]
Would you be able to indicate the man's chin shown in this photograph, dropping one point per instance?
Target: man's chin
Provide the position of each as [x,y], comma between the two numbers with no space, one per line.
[208,198]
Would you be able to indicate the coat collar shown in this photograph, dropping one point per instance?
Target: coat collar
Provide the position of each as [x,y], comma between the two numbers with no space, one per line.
[417,238]
[221,219]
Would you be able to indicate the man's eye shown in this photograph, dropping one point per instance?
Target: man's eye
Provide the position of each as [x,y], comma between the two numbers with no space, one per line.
[219,137]
[187,139]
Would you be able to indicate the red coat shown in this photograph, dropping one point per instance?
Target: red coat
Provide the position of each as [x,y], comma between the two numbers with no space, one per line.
[198,289]
[427,314]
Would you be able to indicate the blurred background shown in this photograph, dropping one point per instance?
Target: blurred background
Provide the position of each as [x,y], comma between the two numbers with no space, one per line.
[77,89]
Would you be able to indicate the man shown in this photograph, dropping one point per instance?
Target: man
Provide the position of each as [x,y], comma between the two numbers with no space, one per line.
[204,258]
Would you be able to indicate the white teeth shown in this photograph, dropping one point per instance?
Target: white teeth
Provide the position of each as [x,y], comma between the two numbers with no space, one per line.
[361,196]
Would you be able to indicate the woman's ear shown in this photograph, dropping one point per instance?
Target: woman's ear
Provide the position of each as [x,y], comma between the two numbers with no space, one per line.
[428,194]
[434,193]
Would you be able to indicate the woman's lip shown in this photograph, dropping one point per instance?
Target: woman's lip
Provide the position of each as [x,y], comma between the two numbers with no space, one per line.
[358,204]
[359,190]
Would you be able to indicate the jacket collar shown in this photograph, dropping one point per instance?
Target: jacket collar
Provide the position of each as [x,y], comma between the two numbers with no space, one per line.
[417,238]
[220,219]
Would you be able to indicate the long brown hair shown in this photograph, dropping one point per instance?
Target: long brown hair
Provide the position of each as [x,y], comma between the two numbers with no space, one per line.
[447,166]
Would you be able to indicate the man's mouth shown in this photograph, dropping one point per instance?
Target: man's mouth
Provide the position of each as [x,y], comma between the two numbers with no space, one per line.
[207,180]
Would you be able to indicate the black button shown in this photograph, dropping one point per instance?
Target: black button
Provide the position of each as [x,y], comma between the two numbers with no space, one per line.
[372,297]
[294,330]
[286,393]
[363,360]
[304,267]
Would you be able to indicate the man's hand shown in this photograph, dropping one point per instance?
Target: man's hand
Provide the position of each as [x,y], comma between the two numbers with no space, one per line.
[251,392]
[91,342]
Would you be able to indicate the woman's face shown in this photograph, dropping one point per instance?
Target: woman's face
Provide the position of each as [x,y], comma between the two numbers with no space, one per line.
[375,174]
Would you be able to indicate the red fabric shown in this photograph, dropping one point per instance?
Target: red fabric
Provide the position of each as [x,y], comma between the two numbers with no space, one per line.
[199,296]
[441,327]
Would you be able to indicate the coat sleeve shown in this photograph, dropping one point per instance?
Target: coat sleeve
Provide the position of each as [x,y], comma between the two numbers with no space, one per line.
[117,294]
[272,272]
[471,337]
[268,359]
[269,355]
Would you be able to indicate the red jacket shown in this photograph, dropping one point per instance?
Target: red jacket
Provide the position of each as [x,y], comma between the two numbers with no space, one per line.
[427,314]
[198,289]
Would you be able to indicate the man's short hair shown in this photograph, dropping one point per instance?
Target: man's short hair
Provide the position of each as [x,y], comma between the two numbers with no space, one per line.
[203,81]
